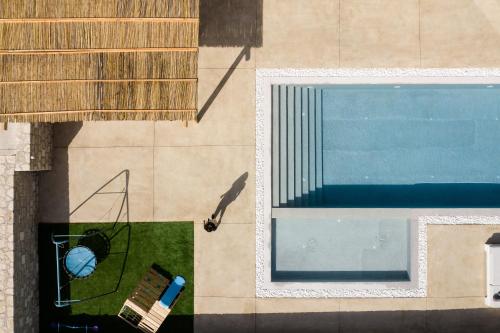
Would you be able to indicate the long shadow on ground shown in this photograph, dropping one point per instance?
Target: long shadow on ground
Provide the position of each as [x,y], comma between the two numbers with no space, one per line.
[449,321]
[107,323]
[456,321]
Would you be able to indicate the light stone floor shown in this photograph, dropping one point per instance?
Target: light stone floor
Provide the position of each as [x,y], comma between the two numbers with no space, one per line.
[179,173]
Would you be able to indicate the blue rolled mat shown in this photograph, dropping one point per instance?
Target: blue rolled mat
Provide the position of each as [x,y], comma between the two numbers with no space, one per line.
[172,291]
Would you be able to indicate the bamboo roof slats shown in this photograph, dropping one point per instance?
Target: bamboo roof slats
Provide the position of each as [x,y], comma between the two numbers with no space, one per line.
[98,115]
[97,95]
[70,60]
[67,35]
[149,65]
[10,9]
[39,36]
[145,34]
[168,64]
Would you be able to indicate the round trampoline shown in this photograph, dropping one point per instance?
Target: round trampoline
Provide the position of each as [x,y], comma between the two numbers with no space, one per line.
[80,262]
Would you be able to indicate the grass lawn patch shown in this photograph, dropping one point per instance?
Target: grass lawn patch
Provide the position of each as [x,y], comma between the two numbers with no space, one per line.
[134,248]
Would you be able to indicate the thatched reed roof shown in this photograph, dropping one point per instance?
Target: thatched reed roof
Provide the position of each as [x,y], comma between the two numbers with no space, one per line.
[67,60]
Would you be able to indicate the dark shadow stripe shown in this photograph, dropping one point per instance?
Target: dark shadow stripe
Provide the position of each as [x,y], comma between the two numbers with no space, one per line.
[345,276]
[445,195]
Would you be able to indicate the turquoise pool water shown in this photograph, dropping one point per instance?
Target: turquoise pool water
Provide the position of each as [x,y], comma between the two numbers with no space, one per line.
[411,135]
[386,146]
[341,249]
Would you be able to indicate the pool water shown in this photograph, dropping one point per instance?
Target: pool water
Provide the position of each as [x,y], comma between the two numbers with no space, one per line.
[341,249]
[411,134]
[386,146]
[374,146]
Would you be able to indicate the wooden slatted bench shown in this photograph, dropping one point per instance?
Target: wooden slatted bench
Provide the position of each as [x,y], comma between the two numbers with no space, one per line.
[143,308]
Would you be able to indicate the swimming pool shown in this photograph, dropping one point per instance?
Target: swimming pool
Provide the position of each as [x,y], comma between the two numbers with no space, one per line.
[415,146]
[341,152]
[361,147]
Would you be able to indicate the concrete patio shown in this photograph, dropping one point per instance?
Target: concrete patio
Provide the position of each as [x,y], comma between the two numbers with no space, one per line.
[179,173]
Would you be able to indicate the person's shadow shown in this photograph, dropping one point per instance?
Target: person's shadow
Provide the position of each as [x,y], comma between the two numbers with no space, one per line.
[229,196]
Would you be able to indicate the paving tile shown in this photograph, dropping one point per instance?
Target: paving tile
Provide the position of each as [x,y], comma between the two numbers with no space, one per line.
[229,118]
[79,172]
[299,33]
[463,33]
[379,33]
[296,305]
[456,260]
[225,57]
[191,182]
[104,134]
[225,261]
[220,305]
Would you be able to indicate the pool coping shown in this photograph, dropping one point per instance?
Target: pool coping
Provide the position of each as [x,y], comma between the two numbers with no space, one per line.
[266,77]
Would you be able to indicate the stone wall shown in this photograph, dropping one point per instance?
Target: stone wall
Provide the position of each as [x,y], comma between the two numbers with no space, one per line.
[23,135]
[41,147]
[34,146]
[7,164]
[29,149]
[25,237]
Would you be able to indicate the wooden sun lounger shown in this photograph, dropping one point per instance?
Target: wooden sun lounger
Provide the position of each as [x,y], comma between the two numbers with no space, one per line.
[143,309]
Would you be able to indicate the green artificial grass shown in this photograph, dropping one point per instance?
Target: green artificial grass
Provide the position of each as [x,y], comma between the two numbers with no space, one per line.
[169,245]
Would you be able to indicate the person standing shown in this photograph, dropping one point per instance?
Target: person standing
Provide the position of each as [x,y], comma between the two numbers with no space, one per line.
[210,224]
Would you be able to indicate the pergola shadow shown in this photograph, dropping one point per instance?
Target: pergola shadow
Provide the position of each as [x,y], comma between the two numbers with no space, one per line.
[229,23]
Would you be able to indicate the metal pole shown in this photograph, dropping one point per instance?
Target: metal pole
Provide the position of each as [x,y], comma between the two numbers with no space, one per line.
[57,276]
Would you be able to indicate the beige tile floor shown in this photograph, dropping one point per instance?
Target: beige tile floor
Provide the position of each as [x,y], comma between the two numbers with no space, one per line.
[79,172]
[300,33]
[379,33]
[180,173]
[460,33]
[189,181]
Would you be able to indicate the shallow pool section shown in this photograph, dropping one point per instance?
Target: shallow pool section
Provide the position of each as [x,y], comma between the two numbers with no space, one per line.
[347,250]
